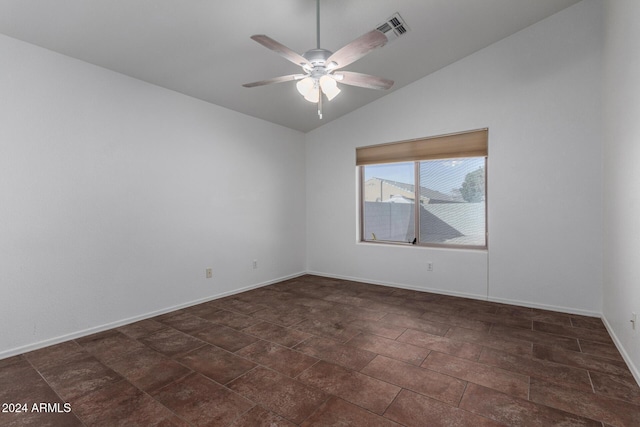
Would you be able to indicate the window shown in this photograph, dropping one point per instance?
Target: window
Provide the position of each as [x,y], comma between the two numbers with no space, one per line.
[430,192]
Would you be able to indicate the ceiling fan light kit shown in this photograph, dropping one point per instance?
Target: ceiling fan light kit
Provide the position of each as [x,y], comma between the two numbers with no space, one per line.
[319,66]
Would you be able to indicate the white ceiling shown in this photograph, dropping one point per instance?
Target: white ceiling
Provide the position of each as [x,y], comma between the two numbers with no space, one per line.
[202,48]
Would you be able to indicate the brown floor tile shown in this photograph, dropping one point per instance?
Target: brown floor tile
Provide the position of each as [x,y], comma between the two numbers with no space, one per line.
[359,312]
[225,337]
[20,383]
[415,323]
[573,377]
[141,329]
[16,376]
[314,303]
[343,290]
[15,361]
[231,319]
[351,300]
[354,387]
[237,305]
[509,345]
[110,345]
[478,373]
[337,412]
[148,370]
[413,410]
[287,337]
[414,309]
[56,355]
[378,328]
[121,404]
[414,295]
[551,317]
[443,308]
[336,352]
[606,350]
[281,317]
[457,320]
[16,368]
[346,366]
[393,303]
[274,306]
[580,360]
[77,378]
[442,344]
[315,292]
[331,315]
[514,311]
[187,323]
[277,357]
[340,331]
[171,342]
[202,402]
[390,348]
[619,387]
[259,299]
[96,336]
[199,310]
[567,331]
[260,417]
[535,337]
[432,384]
[217,364]
[511,321]
[587,323]
[517,412]
[471,305]
[161,317]
[585,404]
[278,393]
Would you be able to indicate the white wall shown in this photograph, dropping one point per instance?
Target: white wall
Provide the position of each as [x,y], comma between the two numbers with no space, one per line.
[538,92]
[622,175]
[115,195]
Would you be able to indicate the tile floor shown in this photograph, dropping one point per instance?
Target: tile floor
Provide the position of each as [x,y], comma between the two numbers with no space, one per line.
[325,352]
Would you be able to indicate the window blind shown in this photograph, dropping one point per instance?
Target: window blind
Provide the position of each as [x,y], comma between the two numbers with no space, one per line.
[464,144]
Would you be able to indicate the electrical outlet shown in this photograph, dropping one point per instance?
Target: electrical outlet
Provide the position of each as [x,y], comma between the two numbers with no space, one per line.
[209,273]
[255,264]
[430,266]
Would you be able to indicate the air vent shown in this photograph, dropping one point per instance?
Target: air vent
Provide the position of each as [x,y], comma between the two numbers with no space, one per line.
[394,27]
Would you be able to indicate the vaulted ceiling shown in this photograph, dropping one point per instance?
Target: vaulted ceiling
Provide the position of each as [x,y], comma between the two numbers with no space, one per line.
[202,48]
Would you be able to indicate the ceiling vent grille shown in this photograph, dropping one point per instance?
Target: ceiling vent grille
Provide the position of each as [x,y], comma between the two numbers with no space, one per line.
[393,27]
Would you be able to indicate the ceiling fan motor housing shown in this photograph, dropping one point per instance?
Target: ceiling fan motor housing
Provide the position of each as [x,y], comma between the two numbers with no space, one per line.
[317,58]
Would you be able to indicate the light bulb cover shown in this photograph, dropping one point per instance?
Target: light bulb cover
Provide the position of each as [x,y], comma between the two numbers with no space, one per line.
[313,95]
[305,85]
[329,87]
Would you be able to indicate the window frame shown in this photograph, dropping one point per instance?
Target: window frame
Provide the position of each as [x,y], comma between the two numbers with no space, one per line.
[417,185]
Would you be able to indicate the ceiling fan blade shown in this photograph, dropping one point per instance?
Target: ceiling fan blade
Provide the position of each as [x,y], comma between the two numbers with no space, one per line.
[357,49]
[281,50]
[363,80]
[280,79]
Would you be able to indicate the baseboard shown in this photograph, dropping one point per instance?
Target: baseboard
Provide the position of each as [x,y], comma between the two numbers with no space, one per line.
[400,285]
[60,339]
[635,371]
[560,309]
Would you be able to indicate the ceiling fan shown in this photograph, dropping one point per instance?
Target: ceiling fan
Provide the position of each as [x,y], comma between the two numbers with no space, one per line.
[320,66]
